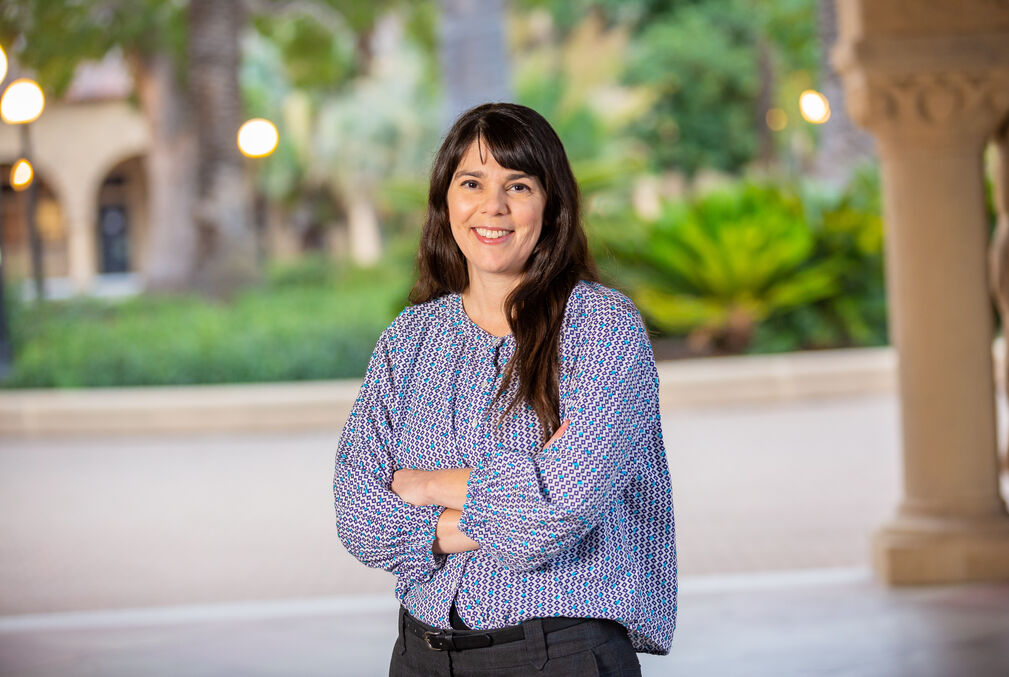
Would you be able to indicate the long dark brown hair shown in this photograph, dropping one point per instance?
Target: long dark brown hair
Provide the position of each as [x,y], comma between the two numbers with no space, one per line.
[519,138]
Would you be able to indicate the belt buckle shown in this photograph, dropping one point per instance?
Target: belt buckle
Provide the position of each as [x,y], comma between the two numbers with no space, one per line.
[428,634]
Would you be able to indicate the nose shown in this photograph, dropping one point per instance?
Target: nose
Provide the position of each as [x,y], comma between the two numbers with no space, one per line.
[495,202]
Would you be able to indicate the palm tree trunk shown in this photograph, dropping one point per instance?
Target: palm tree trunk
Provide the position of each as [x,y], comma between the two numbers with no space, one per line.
[362,226]
[226,242]
[474,58]
[765,99]
[168,166]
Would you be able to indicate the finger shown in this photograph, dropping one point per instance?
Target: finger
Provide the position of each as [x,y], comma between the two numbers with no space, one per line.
[558,433]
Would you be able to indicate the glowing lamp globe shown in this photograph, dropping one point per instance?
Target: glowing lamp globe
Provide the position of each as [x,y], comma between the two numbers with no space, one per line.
[257,138]
[814,107]
[22,102]
[22,174]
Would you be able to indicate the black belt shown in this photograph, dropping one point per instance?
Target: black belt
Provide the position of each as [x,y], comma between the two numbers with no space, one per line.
[458,640]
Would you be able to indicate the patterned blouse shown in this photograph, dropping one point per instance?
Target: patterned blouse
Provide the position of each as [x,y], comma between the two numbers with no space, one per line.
[582,528]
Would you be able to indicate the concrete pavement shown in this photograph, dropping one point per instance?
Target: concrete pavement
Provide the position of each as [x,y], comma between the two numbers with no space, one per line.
[221,554]
[119,522]
[825,622]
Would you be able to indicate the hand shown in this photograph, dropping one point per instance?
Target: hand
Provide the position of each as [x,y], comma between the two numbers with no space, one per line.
[448,538]
[557,435]
[412,486]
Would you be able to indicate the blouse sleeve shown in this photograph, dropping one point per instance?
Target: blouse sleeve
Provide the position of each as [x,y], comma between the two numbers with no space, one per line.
[526,510]
[376,526]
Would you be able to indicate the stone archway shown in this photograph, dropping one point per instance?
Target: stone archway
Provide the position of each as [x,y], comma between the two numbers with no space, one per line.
[121,218]
[75,146]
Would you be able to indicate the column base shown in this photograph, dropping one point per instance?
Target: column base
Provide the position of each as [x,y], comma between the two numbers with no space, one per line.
[916,551]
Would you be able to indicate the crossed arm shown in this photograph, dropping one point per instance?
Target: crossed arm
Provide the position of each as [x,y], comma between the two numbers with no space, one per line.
[522,510]
[446,487]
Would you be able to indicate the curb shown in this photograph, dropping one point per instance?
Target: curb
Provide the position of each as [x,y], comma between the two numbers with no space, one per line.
[325,405]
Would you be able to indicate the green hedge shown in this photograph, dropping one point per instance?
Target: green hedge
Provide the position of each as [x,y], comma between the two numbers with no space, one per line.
[306,322]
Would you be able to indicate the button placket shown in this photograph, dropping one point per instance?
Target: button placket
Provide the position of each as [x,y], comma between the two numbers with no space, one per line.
[498,351]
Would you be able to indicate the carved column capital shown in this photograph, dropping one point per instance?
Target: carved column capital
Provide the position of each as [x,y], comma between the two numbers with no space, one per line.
[926,72]
[930,106]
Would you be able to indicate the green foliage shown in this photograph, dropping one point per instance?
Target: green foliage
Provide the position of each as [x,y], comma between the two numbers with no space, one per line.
[312,56]
[757,268]
[718,266]
[52,37]
[312,321]
[352,123]
[311,271]
[568,13]
[849,232]
[702,61]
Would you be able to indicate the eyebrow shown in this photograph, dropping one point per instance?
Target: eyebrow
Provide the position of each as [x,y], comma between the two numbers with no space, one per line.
[479,174]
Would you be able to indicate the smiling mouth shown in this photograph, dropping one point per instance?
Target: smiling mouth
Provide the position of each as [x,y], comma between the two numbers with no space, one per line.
[491,235]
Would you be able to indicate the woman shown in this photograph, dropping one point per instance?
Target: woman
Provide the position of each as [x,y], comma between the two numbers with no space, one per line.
[504,458]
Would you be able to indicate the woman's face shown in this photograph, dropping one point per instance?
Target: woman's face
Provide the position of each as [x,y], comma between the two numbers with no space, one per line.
[496,214]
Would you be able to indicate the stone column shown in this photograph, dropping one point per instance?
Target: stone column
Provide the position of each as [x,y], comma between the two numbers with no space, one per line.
[80,213]
[998,250]
[930,80]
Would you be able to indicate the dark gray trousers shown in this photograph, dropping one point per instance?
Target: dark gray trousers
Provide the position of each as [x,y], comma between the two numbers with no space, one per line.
[593,647]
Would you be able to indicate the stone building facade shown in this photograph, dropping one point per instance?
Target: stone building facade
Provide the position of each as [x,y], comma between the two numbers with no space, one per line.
[87,150]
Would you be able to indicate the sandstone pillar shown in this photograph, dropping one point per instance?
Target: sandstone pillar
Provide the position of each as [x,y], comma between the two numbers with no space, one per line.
[80,213]
[930,80]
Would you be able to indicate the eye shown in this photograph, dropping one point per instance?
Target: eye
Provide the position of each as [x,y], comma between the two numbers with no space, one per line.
[468,183]
[521,188]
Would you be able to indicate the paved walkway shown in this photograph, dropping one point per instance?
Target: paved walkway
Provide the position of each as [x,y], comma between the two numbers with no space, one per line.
[829,622]
[105,523]
[202,524]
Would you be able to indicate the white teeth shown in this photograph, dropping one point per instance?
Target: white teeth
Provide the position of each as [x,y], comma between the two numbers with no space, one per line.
[483,232]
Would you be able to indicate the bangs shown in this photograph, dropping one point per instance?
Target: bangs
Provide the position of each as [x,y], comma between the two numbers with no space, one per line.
[512,144]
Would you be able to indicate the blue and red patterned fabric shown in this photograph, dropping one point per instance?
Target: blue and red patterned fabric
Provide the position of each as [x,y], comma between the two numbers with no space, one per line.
[584,527]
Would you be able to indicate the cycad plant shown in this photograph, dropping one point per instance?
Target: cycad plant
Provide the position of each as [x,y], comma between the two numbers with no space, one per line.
[715,267]
[848,228]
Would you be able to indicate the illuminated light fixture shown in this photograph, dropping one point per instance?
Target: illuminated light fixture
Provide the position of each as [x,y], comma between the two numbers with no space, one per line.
[814,107]
[22,174]
[22,102]
[3,64]
[257,138]
[776,119]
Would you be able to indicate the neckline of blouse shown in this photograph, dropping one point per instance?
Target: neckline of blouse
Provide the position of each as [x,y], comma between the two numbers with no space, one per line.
[468,327]
[471,328]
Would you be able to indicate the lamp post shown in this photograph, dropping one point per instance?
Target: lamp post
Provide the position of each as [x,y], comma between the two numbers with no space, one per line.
[22,104]
[258,138]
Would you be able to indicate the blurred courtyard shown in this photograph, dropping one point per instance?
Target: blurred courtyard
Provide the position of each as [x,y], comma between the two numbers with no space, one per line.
[807,200]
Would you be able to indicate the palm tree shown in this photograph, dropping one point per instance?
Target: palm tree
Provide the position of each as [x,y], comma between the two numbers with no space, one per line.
[474,59]
[168,165]
[226,250]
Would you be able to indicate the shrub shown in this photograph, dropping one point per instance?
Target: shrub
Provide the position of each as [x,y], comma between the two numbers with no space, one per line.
[309,321]
[716,267]
[757,267]
[848,229]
